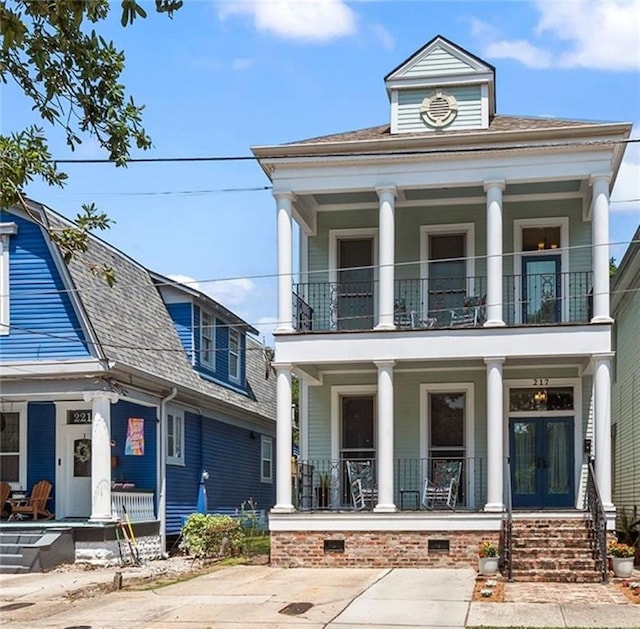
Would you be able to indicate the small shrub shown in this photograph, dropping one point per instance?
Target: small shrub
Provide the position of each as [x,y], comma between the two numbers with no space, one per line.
[487,549]
[616,549]
[208,536]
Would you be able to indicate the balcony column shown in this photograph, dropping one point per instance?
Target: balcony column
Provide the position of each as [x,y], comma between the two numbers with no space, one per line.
[602,426]
[494,252]
[600,239]
[385,437]
[387,208]
[284,201]
[101,453]
[495,455]
[284,433]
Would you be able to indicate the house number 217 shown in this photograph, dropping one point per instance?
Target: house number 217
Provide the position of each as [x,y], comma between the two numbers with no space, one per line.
[540,382]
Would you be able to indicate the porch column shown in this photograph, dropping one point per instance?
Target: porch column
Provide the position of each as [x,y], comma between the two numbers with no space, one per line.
[101,453]
[494,252]
[495,455]
[284,201]
[385,437]
[602,426]
[283,440]
[600,239]
[386,256]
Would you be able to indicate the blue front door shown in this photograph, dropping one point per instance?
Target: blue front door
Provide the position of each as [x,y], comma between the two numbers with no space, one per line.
[541,455]
[541,289]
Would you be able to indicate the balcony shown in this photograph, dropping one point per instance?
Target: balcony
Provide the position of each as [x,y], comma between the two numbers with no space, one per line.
[323,485]
[447,302]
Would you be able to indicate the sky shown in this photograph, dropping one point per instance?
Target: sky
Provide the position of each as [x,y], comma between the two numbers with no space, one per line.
[221,77]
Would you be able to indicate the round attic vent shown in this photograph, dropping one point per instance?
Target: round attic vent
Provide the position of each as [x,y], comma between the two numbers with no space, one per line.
[439,110]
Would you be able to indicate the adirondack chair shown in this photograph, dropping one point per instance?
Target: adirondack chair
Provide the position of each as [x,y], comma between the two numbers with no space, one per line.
[5,492]
[441,490]
[35,505]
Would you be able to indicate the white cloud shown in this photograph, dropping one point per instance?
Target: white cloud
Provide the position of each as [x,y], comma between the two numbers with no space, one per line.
[227,292]
[626,192]
[241,64]
[600,35]
[383,35]
[266,326]
[316,22]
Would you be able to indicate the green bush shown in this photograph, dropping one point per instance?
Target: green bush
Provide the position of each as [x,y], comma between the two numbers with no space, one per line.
[210,536]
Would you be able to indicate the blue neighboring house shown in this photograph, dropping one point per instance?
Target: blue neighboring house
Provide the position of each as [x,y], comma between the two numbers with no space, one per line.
[122,397]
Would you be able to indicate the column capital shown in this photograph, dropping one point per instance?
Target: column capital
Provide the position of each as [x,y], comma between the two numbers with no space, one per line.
[380,190]
[381,364]
[490,360]
[606,177]
[602,357]
[501,184]
[284,194]
[108,396]
[282,366]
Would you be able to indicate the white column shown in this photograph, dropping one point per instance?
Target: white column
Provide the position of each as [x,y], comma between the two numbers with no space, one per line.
[284,202]
[495,455]
[101,453]
[385,437]
[600,239]
[283,440]
[602,426]
[494,252]
[387,239]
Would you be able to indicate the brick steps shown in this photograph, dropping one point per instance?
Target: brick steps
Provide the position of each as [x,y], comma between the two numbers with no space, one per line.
[554,550]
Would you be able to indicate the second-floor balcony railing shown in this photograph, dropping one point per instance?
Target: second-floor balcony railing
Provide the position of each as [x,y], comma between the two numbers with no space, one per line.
[554,298]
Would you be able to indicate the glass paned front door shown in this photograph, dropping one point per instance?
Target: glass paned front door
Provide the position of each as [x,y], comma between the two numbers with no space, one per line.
[541,289]
[447,274]
[541,453]
[355,284]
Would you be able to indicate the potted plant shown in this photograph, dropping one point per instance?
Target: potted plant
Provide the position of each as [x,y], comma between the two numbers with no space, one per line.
[622,558]
[488,559]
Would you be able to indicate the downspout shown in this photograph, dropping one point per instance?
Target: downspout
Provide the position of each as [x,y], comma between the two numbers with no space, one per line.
[162,468]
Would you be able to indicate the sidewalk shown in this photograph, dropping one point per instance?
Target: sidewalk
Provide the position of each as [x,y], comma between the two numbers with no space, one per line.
[263,597]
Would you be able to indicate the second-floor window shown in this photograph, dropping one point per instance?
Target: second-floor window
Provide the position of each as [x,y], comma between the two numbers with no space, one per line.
[266,459]
[175,439]
[207,340]
[234,354]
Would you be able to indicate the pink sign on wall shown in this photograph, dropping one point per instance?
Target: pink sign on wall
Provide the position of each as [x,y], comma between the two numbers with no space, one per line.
[134,445]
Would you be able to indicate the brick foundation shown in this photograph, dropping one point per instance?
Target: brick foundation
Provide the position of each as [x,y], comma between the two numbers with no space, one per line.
[378,549]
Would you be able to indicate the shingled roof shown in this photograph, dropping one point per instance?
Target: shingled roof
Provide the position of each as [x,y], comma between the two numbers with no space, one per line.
[133,328]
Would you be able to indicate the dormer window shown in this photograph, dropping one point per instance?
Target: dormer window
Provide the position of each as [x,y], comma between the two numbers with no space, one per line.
[6,230]
[207,340]
[234,354]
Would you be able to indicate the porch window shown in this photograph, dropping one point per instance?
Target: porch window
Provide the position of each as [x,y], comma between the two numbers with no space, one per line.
[207,336]
[175,439]
[234,354]
[266,459]
[10,451]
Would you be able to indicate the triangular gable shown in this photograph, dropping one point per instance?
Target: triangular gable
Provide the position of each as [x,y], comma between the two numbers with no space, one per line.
[438,58]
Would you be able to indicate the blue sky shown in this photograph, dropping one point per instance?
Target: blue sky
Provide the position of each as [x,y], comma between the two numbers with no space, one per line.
[223,76]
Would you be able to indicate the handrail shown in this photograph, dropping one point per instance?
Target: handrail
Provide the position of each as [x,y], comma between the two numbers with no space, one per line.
[597,523]
[507,523]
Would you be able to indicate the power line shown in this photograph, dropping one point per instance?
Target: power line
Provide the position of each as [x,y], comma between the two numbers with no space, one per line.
[407,153]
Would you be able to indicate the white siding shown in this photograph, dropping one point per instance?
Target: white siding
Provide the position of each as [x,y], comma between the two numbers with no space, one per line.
[436,63]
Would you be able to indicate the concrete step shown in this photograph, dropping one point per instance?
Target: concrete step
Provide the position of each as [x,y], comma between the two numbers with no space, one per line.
[13,569]
[13,559]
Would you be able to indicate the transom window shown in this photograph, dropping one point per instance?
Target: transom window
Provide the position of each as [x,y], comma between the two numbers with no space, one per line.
[207,337]
[175,439]
[234,354]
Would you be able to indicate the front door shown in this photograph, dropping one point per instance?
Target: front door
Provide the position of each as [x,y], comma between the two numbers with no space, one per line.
[541,455]
[355,284]
[541,289]
[75,460]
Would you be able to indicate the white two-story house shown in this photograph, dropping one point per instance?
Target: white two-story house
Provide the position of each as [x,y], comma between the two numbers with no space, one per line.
[449,322]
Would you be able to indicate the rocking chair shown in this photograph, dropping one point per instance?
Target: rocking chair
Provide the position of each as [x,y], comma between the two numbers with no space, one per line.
[361,483]
[442,489]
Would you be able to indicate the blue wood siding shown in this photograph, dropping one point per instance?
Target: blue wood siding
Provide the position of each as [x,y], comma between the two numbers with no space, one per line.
[44,324]
[140,470]
[41,446]
[182,315]
[232,459]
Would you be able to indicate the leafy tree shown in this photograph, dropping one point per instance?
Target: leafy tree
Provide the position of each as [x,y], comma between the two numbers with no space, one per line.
[54,53]
[613,267]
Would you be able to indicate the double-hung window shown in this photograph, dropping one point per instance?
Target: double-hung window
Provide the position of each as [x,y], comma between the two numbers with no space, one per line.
[13,446]
[266,459]
[175,439]
[207,340]
[234,354]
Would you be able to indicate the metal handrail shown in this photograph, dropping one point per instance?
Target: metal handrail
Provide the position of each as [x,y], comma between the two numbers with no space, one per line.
[597,523]
[507,524]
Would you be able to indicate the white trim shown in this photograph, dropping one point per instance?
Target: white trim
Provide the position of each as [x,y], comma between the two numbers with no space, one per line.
[578,419]
[6,230]
[395,127]
[336,235]
[484,105]
[337,391]
[238,354]
[212,338]
[177,414]
[518,226]
[468,229]
[264,439]
[22,409]
[31,368]
[469,425]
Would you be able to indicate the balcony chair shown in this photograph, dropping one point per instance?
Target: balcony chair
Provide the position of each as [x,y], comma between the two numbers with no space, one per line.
[361,483]
[5,504]
[441,490]
[471,314]
[35,505]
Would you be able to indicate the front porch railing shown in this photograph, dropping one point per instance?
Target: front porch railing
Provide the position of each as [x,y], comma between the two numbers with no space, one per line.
[323,484]
[138,503]
[597,524]
[444,302]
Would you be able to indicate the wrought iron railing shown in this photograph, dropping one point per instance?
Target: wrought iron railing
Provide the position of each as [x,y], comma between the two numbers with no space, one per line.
[507,526]
[443,302]
[324,485]
[597,524]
